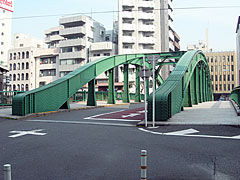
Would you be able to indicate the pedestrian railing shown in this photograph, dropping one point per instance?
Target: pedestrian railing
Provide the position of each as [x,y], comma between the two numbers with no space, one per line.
[6,97]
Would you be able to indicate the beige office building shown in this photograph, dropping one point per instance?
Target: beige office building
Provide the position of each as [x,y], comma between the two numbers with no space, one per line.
[223,69]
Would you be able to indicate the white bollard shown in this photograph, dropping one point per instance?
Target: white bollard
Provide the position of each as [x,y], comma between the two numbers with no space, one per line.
[7,172]
[143,164]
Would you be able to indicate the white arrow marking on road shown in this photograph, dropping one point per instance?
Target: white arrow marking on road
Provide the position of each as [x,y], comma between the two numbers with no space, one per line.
[189,134]
[23,133]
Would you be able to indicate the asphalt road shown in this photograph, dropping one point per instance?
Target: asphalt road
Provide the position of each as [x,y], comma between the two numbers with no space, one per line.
[73,149]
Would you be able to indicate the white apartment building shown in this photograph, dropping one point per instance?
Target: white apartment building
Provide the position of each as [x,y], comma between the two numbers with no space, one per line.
[6,10]
[79,32]
[144,28]
[24,63]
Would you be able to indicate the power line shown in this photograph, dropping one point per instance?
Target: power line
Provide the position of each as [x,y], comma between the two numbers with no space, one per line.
[107,12]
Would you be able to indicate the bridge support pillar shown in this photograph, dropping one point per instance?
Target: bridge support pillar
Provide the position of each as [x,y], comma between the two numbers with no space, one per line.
[126,98]
[137,94]
[111,88]
[201,84]
[91,100]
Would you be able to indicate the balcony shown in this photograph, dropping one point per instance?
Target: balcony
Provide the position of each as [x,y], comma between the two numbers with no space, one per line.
[170,4]
[146,16]
[128,14]
[73,20]
[147,28]
[73,55]
[128,39]
[72,42]
[128,27]
[53,38]
[171,36]
[171,25]
[170,13]
[147,40]
[73,31]
[146,4]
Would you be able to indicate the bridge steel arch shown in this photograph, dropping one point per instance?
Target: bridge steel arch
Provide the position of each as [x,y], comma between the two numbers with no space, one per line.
[55,95]
[188,84]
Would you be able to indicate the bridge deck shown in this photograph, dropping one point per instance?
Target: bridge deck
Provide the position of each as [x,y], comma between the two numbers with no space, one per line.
[208,113]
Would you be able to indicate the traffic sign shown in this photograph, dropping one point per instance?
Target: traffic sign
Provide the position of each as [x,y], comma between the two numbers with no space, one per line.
[148,73]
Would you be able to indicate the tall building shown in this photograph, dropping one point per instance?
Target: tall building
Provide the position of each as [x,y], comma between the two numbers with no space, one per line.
[145,26]
[78,33]
[6,10]
[223,71]
[238,50]
[52,37]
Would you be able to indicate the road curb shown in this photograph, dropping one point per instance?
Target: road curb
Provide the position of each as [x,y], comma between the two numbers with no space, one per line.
[236,107]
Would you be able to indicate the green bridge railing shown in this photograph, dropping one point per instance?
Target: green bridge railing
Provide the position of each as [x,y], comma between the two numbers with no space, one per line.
[235,95]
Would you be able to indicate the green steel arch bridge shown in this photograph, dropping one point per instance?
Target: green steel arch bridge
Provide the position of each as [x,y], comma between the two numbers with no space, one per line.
[189,83]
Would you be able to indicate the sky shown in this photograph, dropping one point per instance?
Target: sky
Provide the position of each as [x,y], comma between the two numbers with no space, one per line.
[190,24]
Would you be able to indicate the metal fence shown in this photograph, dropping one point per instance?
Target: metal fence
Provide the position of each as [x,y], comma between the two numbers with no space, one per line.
[7,96]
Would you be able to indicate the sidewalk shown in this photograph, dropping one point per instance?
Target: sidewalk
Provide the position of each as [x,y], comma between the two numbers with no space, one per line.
[207,113]
[6,112]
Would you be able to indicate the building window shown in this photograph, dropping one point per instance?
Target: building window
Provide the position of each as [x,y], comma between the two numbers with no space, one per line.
[10,56]
[18,77]
[229,88]
[216,68]
[19,55]
[14,66]
[232,77]
[67,49]
[220,87]
[232,58]
[10,77]
[27,87]
[23,55]
[220,77]
[2,43]
[51,60]
[10,67]
[216,88]
[27,54]
[106,54]
[215,58]
[224,87]
[18,67]
[14,56]
[48,72]
[224,77]
[14,77]
[211,77]
[216,77]
[22,87]
[27,65]
[232,86]
[227,58]
[27,76]
[224,59]
[232,67]
[22,76]
[42,83]
[94,55]
[14,88]
[2,52]
[18,87]
[228,77]
[212,68]
[22,66]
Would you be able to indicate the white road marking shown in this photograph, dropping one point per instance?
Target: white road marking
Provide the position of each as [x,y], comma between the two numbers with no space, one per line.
[23,133]
[183,132]
[190,135]
[130,115]
[123,120]
[80,122]
[103,114]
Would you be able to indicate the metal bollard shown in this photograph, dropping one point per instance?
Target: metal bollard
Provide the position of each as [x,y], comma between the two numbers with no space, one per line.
[7,172]
[143,164]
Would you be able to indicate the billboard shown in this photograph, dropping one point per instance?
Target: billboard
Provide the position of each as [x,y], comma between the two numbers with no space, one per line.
[7,5]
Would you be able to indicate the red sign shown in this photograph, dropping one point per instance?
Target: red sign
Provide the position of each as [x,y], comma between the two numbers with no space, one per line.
[7,5]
